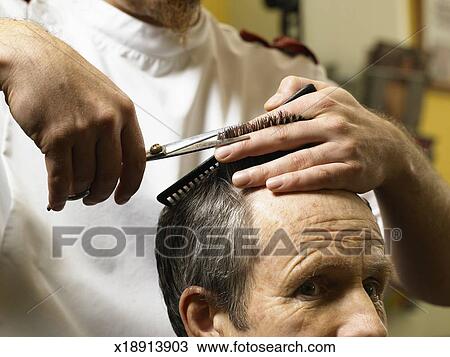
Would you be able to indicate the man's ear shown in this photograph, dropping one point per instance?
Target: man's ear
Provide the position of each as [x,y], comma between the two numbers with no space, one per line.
[197,313]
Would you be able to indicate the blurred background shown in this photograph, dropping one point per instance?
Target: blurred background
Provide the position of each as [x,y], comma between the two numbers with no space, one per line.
[394,56]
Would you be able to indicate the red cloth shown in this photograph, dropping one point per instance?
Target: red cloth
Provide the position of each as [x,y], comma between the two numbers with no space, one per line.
[285,44]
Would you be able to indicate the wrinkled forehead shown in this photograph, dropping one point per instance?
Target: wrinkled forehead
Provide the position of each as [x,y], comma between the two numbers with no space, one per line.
[323,214]
[315,231]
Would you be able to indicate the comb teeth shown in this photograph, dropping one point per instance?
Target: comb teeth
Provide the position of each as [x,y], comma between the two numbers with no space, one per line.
[177,191]
[264,122]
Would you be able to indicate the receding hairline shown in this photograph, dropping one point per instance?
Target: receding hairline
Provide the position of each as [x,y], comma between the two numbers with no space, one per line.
[269,209]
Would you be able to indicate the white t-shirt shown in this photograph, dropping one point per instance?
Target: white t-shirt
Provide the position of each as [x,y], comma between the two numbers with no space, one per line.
[215,79]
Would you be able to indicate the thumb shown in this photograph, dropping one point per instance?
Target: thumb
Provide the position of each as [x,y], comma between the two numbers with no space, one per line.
[287,88]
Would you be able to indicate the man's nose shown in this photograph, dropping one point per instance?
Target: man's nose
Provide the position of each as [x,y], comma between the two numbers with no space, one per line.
[361,318]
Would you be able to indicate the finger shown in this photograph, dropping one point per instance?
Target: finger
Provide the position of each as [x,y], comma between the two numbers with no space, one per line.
[277,138]
[108,168]
[319,105]
[133,163]
[83,162]
[59,168]
[299,160]
[288,87]
[328,176]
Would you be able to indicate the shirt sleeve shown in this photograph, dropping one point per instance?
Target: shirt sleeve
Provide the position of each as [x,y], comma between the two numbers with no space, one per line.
[15,9]
[5,192]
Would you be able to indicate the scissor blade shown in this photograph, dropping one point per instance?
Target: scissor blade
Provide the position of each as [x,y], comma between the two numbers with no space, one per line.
[200,147]
[181,144]
[215,143]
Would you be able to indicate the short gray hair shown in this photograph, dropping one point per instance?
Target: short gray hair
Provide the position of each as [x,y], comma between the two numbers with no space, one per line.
[215,203]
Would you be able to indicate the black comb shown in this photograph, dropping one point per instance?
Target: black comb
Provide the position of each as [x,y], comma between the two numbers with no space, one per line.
[174,193]
[178,190]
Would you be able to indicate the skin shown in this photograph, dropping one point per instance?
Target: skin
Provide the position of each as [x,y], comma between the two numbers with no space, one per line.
[323,292]
[178,15]
[359,151]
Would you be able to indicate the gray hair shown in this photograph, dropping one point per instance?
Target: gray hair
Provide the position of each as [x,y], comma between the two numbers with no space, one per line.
[208,213]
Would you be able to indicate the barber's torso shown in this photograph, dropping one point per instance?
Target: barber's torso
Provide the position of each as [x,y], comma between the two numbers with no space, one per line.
[214,79]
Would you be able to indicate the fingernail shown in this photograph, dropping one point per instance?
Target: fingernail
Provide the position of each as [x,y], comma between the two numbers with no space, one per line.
[58,207]
[274,183]
[241,179]
[122,200]
[89,203]
[223,152]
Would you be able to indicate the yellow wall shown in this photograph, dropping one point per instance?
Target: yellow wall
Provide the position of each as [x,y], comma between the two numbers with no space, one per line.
[436,124]
[341,33]
[219,8]
[251,15]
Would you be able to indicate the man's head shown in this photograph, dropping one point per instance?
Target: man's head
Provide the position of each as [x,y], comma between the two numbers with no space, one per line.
[177,15]
[251,263]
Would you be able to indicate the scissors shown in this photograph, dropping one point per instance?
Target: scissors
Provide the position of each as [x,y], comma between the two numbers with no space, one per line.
[191,145]
[200,142]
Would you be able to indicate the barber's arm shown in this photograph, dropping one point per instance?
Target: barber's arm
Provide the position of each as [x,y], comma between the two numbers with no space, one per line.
[359,151]
[83,124]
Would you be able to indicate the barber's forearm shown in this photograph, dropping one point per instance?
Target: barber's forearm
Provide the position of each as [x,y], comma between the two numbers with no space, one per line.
[418,202]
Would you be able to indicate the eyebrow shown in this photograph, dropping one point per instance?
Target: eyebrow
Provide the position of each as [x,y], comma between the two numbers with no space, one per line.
[314,264]
[382,266]
[305,266]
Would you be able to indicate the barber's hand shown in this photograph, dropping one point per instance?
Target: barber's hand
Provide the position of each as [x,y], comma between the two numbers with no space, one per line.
[83,124]
[356,150]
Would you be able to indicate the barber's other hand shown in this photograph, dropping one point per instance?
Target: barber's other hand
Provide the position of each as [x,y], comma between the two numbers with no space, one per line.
[356,150]
[83,124]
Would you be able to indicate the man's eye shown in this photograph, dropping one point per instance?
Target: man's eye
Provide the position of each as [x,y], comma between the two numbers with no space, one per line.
[373,289]
[310,288]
